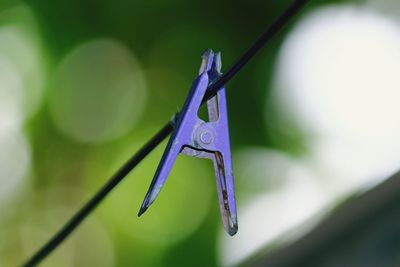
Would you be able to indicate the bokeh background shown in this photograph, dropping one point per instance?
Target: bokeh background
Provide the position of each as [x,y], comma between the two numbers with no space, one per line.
[313,120]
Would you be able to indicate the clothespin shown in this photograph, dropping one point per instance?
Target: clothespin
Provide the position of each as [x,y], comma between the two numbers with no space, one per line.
[197,138]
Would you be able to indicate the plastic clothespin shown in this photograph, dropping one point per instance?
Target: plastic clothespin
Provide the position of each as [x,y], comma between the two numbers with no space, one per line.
[197,138]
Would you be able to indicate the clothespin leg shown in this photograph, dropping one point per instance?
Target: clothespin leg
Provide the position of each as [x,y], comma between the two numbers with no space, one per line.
[182,135]
[226,193]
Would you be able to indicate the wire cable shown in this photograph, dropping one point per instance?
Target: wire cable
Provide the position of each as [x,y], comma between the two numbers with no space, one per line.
[163,133]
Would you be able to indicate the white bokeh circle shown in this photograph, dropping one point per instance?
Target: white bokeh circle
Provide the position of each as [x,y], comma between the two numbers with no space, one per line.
[337,74]
[20,45]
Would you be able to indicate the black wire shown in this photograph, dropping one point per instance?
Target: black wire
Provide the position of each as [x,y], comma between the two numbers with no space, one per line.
[74,222]
[274,28]
[92,204]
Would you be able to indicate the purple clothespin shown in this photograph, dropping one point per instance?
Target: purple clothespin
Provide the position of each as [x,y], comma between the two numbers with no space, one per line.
[197,138]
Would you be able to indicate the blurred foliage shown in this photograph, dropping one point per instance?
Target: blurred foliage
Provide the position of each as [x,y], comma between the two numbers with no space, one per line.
[167,39]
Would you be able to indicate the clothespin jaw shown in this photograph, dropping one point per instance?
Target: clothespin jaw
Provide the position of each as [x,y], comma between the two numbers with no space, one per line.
[195,137]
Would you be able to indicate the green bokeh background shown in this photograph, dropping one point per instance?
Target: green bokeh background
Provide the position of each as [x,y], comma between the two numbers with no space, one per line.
[163,35]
